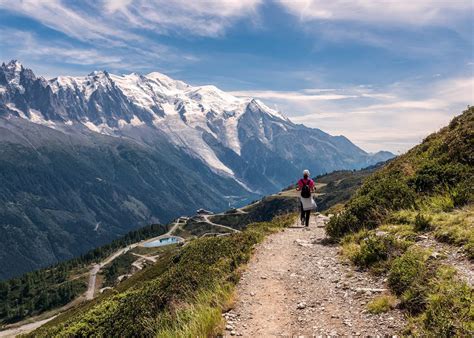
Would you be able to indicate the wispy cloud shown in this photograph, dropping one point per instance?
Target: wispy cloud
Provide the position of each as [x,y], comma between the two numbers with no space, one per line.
[417,13]
[115,20]
[303,95]
[34,50]
[205,18]
[397,119]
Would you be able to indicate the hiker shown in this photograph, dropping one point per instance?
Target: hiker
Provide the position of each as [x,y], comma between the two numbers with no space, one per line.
[306,186]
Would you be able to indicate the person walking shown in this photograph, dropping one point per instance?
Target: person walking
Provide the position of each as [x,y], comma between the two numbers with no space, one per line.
[306,188]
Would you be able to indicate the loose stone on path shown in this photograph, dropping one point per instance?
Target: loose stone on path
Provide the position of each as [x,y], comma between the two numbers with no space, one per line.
[296,286]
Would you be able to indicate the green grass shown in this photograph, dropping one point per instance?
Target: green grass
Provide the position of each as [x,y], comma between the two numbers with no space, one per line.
[448,307]
[426,191]
[381,304]
[371,249]
[455,227]
[183,295]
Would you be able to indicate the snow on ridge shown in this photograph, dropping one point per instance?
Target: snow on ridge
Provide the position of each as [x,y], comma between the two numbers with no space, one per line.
[11,106]
[86,85]
[71,82]
[14,69]
[190,139]
[37,117]
[183,112]
[167,81]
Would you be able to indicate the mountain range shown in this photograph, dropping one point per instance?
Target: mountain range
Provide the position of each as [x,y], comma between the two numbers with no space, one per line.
[86,159]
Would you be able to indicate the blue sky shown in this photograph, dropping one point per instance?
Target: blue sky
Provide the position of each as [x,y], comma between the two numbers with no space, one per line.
[383,73]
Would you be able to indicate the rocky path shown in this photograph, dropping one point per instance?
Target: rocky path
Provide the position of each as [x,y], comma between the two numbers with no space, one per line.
[450,255]
[295,285]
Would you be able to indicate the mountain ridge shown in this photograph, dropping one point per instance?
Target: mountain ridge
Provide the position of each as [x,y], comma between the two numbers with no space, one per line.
[106,103]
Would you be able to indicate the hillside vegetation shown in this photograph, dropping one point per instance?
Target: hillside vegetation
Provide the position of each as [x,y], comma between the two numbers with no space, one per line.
[55,286]
[423,196]
[182,295]
[435,175]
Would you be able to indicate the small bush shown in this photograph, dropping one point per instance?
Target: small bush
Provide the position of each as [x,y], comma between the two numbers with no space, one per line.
[373,202]
[440,203]
[422,223]
[373,249]
[408,277]
[341,224]
[449,309]
[463,194]
[381,304]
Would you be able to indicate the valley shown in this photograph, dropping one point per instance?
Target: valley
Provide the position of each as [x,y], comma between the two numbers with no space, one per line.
[84,160]
[107,273]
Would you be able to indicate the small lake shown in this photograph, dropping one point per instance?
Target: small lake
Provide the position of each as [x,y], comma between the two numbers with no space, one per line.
[162,242]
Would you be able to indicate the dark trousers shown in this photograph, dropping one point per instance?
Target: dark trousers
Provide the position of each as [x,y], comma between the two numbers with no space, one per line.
[304,215]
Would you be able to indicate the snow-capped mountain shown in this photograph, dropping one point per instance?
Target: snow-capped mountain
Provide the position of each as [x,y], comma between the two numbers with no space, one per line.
[123,151]
[196,119]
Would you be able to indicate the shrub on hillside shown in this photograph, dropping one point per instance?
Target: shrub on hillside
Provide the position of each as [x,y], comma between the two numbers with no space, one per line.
[372,249]
[381,304]
[408,278]
[422,223]
[341,224]
[434,176]
[449,310]
[370,206]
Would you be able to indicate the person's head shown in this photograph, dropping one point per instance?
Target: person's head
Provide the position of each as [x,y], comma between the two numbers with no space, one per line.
[306,173]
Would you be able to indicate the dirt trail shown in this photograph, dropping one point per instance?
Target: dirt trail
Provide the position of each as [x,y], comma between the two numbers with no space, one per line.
[451,255]
[296,285]
[24,329]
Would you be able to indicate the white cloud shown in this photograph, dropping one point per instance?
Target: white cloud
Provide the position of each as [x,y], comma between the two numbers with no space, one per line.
[417,12]
[115,20]
[393,118]
[70,21]
[304,95]
[40,55]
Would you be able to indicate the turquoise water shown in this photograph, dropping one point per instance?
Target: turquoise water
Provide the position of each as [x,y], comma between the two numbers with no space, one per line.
[162,242]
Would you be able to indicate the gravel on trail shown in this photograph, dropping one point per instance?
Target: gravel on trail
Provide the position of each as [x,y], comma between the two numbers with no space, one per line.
[297,285]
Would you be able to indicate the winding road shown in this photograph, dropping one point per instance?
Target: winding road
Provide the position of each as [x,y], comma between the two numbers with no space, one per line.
[92,286]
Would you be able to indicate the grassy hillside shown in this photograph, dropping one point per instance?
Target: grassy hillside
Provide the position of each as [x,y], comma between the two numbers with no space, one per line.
[182,295]
[52,287]
[392,223]
[435,175]
[339,186]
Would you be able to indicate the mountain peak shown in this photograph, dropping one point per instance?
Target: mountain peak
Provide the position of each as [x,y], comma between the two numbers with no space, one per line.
[99,73]
[13,65]
[13,71]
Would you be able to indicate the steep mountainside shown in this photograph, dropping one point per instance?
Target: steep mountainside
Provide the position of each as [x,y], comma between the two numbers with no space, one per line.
[413,222]
[438,171]
[85,159]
